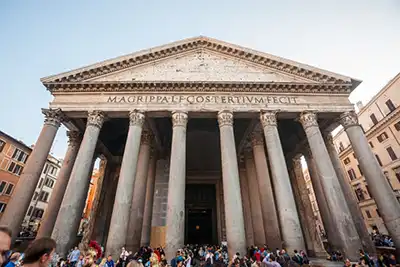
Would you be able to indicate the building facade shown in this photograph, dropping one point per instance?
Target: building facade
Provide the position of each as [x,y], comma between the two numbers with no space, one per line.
[203,141]
[13,156]
[380,120]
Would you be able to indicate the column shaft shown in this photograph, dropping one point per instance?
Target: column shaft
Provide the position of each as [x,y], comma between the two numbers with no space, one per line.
[50,216]
[233,201]
[323,208]
[148,208]
[255,200]
[24,190]
[342,219]
[268,206]
[288,217]
[70,213]
[308,221]
[378,184]
[244,190]
[176,186]
[123,197]
[350,198]
[139,194]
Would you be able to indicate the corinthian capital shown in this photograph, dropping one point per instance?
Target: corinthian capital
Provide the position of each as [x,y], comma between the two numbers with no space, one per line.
[328,138]
[297,161]
[308,119]
[136,118]
[225,118]
[179,119]
[147,137]
[268,118]
[53,117]
[74,138]
[95,118]
[348,119]
[257,138]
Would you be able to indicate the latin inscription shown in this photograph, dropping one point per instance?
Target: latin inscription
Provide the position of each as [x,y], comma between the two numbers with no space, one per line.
[202,99]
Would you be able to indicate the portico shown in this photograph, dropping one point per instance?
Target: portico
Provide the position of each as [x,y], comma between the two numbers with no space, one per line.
[203,130]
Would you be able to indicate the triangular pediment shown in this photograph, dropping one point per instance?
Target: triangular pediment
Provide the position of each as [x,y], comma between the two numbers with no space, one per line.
[201,65]
[200,59]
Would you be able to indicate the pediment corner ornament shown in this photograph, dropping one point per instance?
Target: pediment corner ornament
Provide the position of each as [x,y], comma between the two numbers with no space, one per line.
[96,118]
[225,118]
[74,138]
[308,119]
[268,118]
[179,119]
[348,119]
[53,117]
[136,118]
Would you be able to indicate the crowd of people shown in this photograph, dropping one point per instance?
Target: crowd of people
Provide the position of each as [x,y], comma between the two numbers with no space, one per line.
[41,253]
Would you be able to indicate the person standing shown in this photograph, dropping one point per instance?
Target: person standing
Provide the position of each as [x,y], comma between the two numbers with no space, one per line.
[109,262]
[74,257]
[5,243]
[39,253]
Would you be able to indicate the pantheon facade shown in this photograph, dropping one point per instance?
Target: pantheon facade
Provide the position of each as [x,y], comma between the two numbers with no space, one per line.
[202,141]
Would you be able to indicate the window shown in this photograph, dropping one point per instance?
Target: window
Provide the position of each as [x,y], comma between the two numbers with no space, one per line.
[20,155]
[369,193]
[40,183]
[49,182]
[377,212]
[2,207]
[35,196]
[391,153]
[368,214]
[2,145]
[37,213]
[396,171]
[15,168]
[43,196]
[359,169]
[371,144]
[352,174]
[354,156]
[382,137]
[379,160]
[390,105]
[45,169]
[2,186]
[373,118]
[346,161]
[9,189]
[30,210]
[396,126]
[359,194]
[341,147]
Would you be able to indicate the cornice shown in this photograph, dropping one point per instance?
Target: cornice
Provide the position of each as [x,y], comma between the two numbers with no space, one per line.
[161,52]
[165,86]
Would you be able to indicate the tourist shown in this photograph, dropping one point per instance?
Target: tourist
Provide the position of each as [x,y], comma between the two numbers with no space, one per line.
[5,243]
[109,262]
[90,258]
[297,258]
[80,261]
[13,262]
[272,261]
[39,253]
[74,257]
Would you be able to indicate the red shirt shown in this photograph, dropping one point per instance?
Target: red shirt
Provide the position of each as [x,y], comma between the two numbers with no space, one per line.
[258,256]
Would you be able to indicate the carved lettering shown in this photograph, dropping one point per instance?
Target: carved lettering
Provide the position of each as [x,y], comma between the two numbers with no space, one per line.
[203,99]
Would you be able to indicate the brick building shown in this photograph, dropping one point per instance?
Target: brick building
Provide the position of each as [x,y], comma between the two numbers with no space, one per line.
[13,156]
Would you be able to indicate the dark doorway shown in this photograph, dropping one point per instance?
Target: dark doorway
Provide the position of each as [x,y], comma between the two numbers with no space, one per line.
[199,226]
[201,221]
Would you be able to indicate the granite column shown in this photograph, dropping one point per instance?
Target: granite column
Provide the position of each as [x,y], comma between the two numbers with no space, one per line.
[176,186]
[123,197]
[148,208]
[244,190]
[345,228]
[139,193]
[291,232]
[255,200]
[230,175]
[50,216]
[268,206]
[23,192]
[381,191]
[70,213]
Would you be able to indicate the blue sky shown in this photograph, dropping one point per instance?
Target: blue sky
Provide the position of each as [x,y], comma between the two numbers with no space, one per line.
[358,38]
